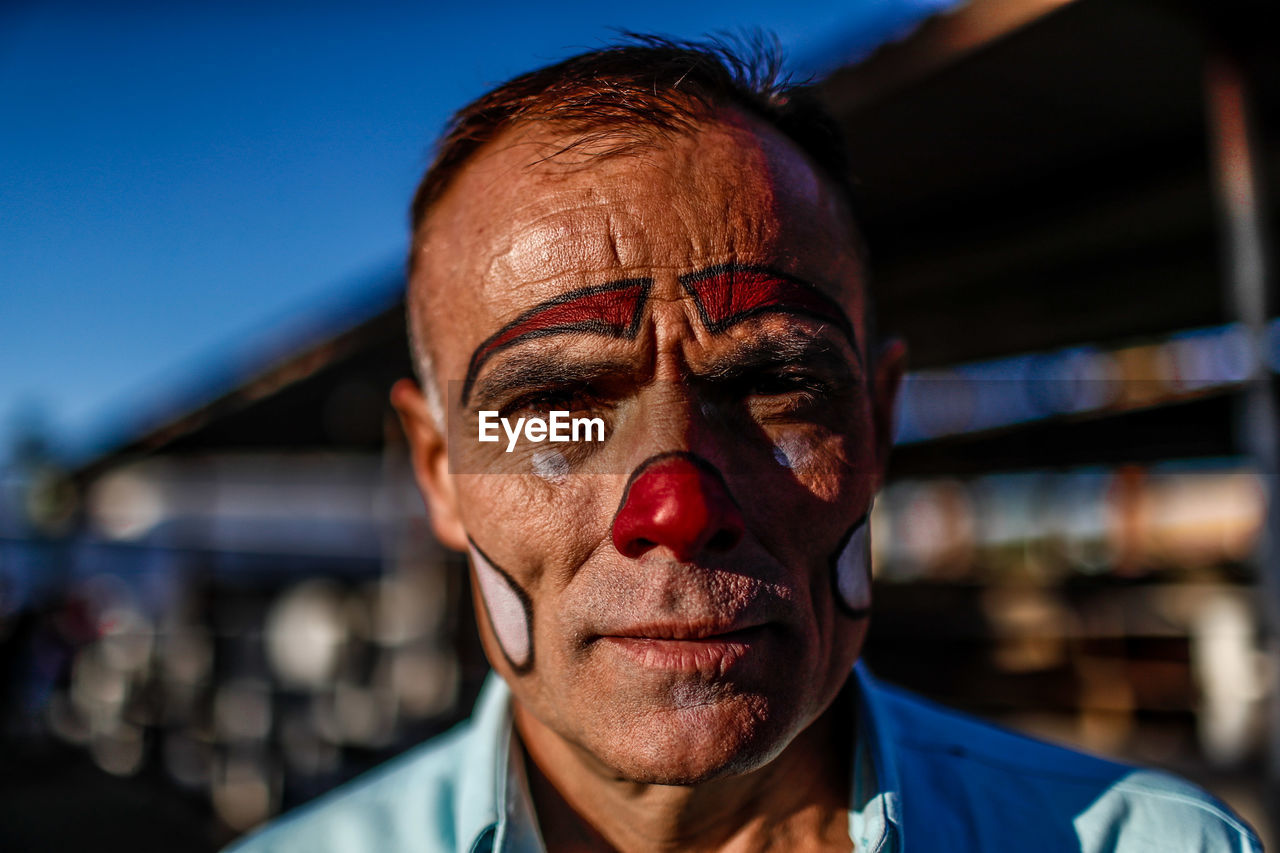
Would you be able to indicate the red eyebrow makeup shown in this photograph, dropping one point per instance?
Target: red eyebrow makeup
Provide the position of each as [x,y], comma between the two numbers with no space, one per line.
[612,309]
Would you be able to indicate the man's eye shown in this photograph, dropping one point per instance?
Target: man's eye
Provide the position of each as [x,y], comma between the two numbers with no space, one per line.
[557,400]
[799,384]
[791,396]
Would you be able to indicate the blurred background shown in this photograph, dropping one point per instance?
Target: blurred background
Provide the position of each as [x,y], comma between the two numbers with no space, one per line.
[219,596]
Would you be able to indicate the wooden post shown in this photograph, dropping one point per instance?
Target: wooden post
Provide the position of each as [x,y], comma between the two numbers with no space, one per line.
[1241,212]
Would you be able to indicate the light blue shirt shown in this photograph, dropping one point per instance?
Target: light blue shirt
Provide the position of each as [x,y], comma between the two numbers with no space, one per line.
[926,779]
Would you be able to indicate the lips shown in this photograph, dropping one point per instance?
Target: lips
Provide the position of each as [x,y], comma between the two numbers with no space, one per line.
[689,619]
[701,630]
[690,647]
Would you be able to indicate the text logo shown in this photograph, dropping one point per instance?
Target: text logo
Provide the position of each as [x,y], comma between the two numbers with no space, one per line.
[557,426]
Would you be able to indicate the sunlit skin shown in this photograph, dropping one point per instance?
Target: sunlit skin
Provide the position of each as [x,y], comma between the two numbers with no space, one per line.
[679,675]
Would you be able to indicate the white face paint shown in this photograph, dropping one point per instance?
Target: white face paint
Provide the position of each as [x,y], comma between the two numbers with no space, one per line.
[506,608]
[780,456]
[792,452]
[550,465]
[853,569]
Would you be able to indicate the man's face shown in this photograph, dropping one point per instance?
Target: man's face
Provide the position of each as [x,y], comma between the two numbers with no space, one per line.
[682,598]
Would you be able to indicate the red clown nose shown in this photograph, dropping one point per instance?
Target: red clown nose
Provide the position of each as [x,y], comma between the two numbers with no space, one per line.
[680,502]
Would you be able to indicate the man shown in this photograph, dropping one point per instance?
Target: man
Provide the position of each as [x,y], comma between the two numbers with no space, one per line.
[658,237]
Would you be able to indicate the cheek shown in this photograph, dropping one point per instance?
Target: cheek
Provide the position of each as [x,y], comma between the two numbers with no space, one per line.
[795,452]
[519,518]
[526,535]
[819,463]
[828,483]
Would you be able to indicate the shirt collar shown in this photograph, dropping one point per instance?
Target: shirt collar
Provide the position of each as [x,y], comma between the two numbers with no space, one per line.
[494,809]
[480,799]
[875,816]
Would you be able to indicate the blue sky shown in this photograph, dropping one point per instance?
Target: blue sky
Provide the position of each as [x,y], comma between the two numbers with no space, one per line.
[185,184]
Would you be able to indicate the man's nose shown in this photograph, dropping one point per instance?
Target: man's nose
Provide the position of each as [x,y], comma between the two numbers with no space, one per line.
[677,501]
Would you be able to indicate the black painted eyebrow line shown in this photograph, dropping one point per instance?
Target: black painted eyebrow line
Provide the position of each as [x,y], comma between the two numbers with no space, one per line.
[490,346]
[487,350]
[687,280]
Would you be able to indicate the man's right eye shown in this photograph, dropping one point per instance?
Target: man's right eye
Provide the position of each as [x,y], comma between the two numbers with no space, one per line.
[572,400]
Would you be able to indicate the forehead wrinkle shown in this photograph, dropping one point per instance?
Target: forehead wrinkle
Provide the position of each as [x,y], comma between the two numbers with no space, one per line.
[588,235]
[748,214]
[728,191]
[594,223]
[718,214]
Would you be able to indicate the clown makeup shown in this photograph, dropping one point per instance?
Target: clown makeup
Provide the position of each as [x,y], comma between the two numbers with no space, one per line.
[702,307]
[724,295]
[509,609]
[613,310]
[793,452]
[551,466]
[680,501]
[728,294]
[851,569]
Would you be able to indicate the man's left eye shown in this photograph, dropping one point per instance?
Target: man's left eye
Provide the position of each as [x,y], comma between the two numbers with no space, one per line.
[774,385]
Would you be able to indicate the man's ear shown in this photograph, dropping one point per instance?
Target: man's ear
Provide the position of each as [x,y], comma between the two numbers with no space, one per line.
[429,449]
[886,381]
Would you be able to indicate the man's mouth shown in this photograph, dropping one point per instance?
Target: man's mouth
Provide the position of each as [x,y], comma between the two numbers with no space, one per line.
[693,647]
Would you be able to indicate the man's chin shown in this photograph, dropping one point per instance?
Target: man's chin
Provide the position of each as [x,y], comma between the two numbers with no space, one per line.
[693,744]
